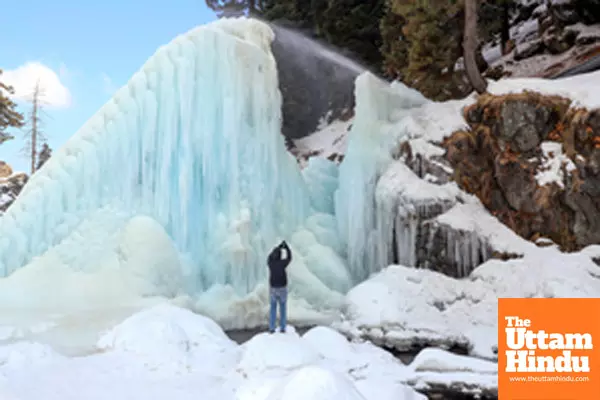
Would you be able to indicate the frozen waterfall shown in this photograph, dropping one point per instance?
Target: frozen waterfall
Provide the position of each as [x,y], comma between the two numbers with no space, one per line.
[181,184]
[193,141]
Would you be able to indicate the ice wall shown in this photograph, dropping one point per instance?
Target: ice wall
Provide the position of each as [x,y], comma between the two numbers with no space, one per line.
[192,141]
[374,134]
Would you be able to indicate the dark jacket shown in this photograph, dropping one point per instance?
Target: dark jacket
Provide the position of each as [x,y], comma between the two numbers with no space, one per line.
[277,266]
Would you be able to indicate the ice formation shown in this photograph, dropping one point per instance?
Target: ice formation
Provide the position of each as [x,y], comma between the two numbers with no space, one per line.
[378,107]
[192,142]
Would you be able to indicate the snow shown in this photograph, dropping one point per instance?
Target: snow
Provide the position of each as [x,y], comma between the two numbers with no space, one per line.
[471,216]
[288,351]
[492,53]
[167,352]
[524,31]
[585,31]
[438,360]
[166,333]
[553,162]
[577,88]
[316,383]
[327,141]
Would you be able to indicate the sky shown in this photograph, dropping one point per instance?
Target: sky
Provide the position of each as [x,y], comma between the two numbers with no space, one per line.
[81,52]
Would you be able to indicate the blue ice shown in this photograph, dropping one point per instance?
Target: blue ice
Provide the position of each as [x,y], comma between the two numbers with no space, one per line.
[193,141]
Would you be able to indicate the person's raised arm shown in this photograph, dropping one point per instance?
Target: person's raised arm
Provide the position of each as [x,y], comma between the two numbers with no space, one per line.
[289,253]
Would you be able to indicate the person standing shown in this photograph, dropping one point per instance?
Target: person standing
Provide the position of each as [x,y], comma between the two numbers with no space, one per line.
[278,260]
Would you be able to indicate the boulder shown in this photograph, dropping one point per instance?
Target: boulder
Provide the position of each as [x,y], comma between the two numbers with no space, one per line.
[559,42]
[534,163]
[529,49]
[524,123]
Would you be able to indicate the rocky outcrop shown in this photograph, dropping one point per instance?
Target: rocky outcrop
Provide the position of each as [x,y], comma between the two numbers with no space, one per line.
[547,38]
[11,185]
[426,221]
[534,162]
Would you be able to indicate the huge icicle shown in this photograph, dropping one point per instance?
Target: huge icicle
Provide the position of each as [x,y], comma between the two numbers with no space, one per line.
[372,138]
[193,141]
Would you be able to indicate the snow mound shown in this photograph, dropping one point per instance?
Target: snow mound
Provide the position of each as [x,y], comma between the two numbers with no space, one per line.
[335,347]
[438,371]
[377,373]
[438,360]
[328,342]
[165,331]
[317,383]
[276,351]
[24,355]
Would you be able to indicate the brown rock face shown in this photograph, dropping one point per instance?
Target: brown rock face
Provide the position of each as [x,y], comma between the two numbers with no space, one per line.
[534,162]
[10,186]
[5,170]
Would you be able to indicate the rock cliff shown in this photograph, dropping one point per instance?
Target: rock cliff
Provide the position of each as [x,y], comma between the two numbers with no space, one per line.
[534,162]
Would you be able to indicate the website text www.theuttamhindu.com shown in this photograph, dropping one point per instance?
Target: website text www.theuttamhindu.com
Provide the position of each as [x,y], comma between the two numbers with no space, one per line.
[533,379]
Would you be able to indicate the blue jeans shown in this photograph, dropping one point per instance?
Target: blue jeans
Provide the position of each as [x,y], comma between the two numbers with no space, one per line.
[278,296]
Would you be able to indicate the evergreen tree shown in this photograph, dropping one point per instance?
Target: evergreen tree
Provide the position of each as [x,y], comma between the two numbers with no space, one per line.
[394,47]
[350,25]
[433,31]
[44,155]
[9,117]
[353,25]
[235,8]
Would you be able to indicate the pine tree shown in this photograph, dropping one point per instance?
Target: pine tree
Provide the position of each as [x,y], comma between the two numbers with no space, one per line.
[9,117]
[432,30]
[45,154]
[354,25]
[394,47]
[235,8]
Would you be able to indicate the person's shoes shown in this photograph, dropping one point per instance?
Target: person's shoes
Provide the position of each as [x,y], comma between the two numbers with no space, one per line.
[283,330]
[271,332]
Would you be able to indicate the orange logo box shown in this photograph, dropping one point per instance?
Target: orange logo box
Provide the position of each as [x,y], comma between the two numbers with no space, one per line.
[548,349]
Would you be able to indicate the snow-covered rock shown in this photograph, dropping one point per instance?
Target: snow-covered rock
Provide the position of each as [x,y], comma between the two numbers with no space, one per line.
[439,372]
[406,308]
